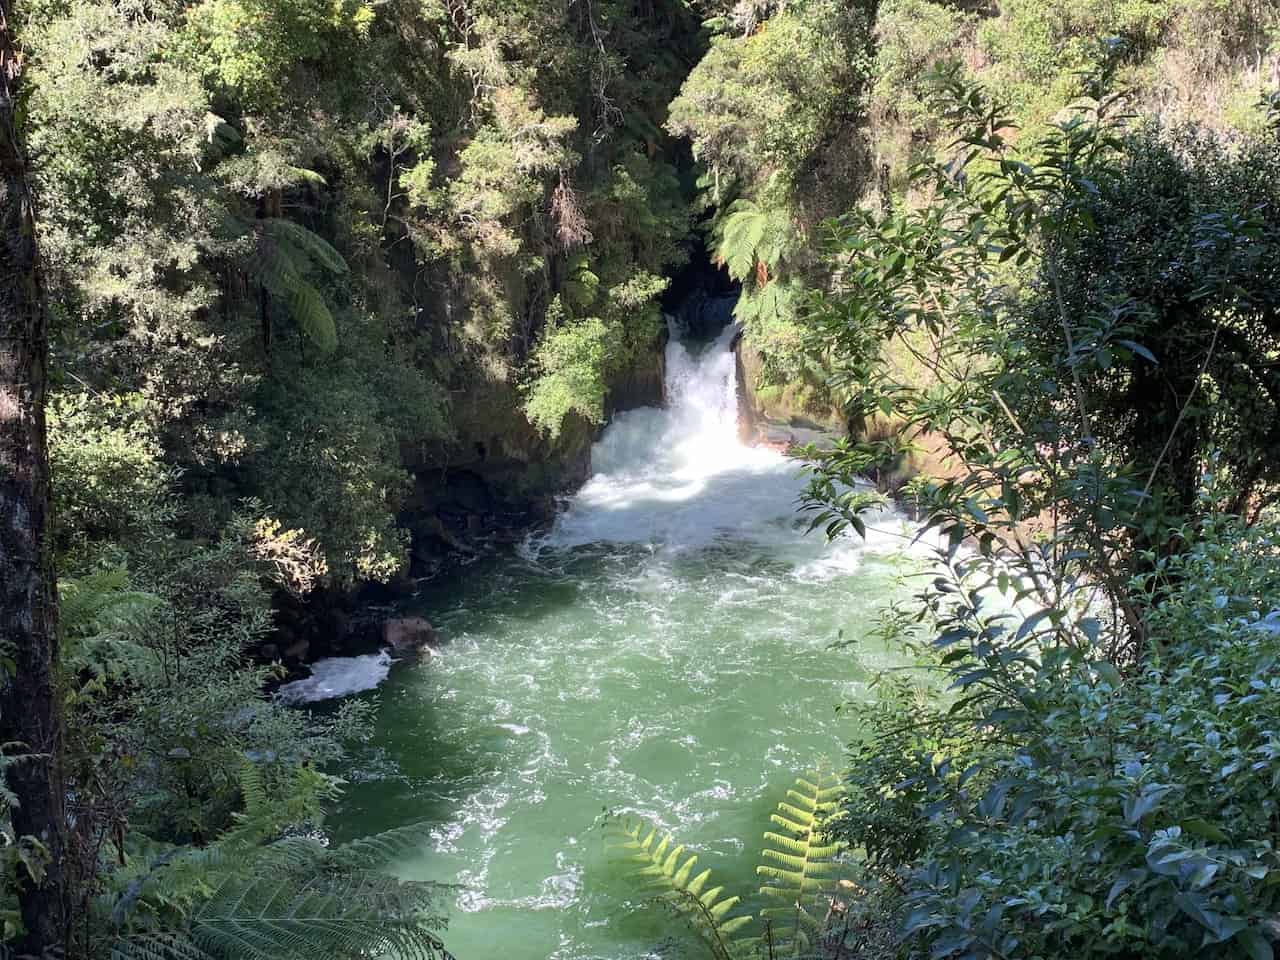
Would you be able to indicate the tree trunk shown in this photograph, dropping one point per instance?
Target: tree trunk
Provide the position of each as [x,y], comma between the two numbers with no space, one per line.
[29,707]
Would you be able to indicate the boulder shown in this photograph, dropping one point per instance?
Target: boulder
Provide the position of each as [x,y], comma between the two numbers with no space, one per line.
[409,635]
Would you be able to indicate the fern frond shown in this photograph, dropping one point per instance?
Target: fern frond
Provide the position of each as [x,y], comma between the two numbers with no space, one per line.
[311,313]
[157,946]
[287,253]
[382,848]
[103,604]
[667,868]
[794,826]
[794,862]
[310,245]
[800,865]
[276,269]
[252,790]
[306,175]
[290,899]
[801,815]
[102,620]
[751,239]
[773,302]
[257,918]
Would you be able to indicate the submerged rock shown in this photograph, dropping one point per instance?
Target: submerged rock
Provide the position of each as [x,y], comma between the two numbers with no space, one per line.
[409,636]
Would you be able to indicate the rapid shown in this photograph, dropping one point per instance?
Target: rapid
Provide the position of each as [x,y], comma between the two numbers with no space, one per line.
[665,649]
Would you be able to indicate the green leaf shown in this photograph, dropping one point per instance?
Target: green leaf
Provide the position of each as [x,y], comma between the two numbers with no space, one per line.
[1203,828]
[1255,944]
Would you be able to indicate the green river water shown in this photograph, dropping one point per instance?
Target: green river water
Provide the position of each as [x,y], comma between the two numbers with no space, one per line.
[664,650]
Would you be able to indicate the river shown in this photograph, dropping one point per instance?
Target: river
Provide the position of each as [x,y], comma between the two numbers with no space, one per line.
[663,650]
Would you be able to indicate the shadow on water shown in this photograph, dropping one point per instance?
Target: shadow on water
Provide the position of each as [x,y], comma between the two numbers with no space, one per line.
[421,776]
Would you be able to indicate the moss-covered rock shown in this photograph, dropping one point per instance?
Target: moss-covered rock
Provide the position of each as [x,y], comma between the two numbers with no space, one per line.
[763,404]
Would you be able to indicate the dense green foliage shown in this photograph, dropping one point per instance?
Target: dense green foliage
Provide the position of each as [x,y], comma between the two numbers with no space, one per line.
[292,230]
[803,110]
[774,113]
[1096,779]
[283,243]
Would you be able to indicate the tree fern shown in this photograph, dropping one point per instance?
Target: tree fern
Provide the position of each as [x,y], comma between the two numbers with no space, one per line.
[342,915]
[309,244]
[751,240]
[157,946]
[312,314]
[799,867]
[668,870]
[379,849]
[293,899]
[287,254]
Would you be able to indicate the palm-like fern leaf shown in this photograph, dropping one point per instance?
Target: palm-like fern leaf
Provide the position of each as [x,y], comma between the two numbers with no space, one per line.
[287,253]
[751,240]
[157,946]
[101,620]
[291,899]
[381,848]
[799,867]
[260,918]
[102,601]
[312,314]
[669,871]
[311,245]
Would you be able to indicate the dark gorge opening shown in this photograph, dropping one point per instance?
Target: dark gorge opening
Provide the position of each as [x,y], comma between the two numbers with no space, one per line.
[701,295]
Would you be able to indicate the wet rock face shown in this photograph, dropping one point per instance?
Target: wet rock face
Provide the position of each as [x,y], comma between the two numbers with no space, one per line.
[789,439]
[499,478]
[705,313]
[409,636]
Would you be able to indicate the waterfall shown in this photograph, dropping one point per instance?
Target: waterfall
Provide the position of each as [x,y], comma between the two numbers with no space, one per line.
[679,476]
[702,396]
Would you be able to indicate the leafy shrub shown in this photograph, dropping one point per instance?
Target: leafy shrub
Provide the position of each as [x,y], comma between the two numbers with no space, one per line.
[1095,813]
[110,482]
[571,362]
[1098,780]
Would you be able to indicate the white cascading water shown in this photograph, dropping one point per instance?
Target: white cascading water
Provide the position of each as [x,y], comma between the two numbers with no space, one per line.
[680,477]
[335,677]
[676,478]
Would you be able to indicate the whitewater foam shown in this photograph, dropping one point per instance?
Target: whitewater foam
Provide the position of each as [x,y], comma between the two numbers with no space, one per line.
[336,677]
[662,651]
[680,479]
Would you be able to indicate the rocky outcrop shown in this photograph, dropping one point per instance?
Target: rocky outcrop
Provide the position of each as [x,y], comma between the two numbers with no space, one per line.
[780,416]
[789,417]
[791,439]
[498,477]
[643,384]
